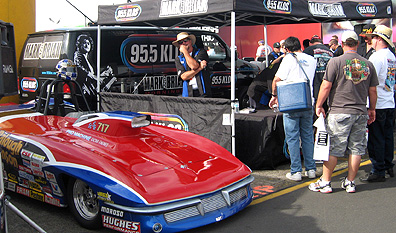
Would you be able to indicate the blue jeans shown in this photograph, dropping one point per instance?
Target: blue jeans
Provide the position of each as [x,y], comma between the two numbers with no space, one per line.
[380,141]
[298,125]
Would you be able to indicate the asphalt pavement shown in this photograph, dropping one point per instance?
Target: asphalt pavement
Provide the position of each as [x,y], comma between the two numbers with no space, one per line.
[294,208]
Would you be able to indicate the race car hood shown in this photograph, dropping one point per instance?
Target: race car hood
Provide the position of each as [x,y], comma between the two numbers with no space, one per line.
[159,163]
[168,168]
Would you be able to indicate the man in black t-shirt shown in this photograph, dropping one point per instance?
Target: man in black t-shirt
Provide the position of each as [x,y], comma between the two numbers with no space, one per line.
[322,54]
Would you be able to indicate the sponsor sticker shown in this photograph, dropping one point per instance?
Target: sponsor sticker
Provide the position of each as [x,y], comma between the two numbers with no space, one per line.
[52,200]
[47,189]
[50,177]
[56,189]
[25,175]
[104,196]
[37,195]
[29,84]
[23,182]
[35,186]
[25,169]
[12,178]
[120,224]
[107,210]
[25,154]
[23,191]
[10,186]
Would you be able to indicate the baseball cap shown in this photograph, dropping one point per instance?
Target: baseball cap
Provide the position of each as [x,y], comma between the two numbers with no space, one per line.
[315,37]
[276,45]
[349,35]
[367,29]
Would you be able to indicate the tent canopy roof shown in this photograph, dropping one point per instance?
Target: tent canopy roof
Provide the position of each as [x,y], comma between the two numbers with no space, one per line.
[183,13]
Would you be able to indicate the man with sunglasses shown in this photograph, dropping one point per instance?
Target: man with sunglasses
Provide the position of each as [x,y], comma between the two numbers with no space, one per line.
[380,139]
[191,67]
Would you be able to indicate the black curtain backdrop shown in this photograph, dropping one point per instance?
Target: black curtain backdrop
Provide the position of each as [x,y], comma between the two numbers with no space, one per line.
[204,116]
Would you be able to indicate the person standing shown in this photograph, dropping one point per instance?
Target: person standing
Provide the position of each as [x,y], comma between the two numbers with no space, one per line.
[276,55]
[380,140]
[348,81]
[191,67]
[335,48]
[297,125]
[322,54]
[263,49]
[365,49]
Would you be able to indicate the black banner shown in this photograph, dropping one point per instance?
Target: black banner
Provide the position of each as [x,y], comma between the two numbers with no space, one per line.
[167,13]
[202,116]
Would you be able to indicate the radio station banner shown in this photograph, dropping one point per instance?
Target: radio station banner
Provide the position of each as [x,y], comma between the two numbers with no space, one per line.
[202,116]
[168,12]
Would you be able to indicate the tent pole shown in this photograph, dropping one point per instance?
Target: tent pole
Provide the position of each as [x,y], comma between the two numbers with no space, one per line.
[266,43]
[98,68]
[233,82]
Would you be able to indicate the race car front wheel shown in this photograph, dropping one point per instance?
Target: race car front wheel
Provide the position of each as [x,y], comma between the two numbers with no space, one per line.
[83,204]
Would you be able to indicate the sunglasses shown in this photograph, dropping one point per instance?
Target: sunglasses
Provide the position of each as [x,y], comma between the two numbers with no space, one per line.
[182,41]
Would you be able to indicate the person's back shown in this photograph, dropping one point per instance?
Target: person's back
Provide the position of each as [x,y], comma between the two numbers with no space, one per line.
[322,54]
[297,66]
[348,81]
[349,74]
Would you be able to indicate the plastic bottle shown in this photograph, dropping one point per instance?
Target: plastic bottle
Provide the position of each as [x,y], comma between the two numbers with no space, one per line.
[236,106]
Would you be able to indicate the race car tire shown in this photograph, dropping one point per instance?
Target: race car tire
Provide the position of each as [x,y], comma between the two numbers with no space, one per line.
[83,204]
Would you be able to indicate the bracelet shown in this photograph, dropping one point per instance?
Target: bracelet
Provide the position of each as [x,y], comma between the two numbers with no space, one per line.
[274,95]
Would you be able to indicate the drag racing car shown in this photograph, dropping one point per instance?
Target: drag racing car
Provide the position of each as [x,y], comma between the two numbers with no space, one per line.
[116,170]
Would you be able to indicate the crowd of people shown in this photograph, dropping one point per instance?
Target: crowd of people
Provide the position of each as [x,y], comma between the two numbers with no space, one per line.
[352,86]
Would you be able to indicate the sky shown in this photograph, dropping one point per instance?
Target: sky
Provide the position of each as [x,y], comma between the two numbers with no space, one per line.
[52,14]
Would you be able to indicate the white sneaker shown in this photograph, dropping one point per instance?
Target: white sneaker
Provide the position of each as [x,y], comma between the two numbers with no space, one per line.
[321,186]
[311,174]
[296,176]
[348,185]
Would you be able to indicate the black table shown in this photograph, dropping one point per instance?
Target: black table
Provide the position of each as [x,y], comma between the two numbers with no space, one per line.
[259,139]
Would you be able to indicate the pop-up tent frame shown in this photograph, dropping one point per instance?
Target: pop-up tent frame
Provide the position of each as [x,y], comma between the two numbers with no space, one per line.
[190,13]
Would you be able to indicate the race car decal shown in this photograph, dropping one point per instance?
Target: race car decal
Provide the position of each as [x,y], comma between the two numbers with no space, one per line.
[120,224]
[29,84]
[169,120]
[114,212]
[104,196]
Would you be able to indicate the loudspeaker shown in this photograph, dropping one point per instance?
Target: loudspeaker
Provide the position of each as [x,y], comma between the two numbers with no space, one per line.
[8,76]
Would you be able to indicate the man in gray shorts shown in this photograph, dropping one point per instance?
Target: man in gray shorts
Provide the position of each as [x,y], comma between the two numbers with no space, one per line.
[348,81]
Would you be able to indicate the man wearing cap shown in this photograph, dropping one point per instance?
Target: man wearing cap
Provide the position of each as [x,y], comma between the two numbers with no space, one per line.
[263,49]
[348,81]
[335,47]
[276,55]
[365,49]
[380,140]
[191,67]
[322,54]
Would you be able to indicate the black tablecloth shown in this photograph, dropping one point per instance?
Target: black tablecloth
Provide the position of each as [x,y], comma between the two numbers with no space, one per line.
[259,139]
